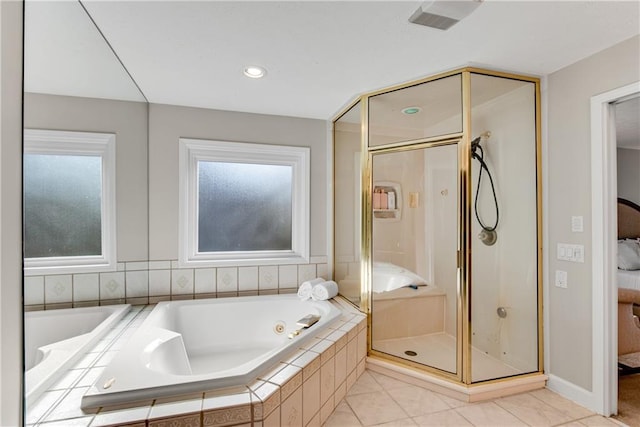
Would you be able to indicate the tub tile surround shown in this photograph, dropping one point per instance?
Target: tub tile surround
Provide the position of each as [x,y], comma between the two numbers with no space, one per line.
[149,282]
[301,390]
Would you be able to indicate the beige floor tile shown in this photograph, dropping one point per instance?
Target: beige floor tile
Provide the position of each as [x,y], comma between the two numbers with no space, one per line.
[452,402]
[598,421]
[417,401]
[386,382]
[378,399]
[573,410]
[398,423]
[534,411]
[343,416]
[489,414]
[365,384]
[375,408]
[444,418]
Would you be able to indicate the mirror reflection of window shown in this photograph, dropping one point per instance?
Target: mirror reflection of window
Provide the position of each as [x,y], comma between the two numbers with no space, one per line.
[69,201]
[62,195]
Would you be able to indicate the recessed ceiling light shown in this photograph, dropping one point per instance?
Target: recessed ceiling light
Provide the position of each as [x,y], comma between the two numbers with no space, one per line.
[254,71]
[411,110]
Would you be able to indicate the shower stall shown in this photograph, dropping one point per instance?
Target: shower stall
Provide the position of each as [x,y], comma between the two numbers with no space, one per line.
[437,222]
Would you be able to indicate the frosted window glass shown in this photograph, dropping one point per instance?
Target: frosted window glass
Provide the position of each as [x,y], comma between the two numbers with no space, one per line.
[62,205]
[244,207]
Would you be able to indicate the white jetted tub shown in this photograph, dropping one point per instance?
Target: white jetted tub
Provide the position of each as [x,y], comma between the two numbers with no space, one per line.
[199,345]
[56,339]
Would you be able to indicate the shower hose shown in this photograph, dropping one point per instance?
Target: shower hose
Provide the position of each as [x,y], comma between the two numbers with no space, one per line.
[475,148]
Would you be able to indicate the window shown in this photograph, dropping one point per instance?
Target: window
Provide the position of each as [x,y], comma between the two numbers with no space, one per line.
[243,203]
[69,202]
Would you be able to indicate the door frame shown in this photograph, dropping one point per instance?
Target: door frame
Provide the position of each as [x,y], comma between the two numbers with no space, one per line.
[603,258]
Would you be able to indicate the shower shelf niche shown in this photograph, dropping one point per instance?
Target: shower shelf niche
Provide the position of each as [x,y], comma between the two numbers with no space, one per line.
[387,201]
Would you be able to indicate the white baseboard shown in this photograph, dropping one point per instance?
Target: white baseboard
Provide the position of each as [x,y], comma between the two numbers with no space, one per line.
[572,392]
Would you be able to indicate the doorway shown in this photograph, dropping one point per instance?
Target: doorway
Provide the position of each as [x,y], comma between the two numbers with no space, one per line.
[604,233]
[627,138]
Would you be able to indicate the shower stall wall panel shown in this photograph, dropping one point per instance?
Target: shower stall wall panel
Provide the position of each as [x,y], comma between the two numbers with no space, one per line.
[505,274]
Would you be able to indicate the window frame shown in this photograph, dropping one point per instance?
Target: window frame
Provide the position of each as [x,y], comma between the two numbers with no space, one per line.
[191,151]
[72,143]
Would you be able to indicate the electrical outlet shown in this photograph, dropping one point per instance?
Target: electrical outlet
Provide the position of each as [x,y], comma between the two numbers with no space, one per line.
[577,224]
[561,279]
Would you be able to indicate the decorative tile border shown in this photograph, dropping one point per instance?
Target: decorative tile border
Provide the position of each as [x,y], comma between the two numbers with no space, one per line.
[149,282]
[303,389]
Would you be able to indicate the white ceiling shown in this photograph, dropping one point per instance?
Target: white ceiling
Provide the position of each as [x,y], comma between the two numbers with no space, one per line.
[65,55]
[321,54]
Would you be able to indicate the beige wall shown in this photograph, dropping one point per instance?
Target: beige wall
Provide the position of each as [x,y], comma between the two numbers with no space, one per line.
[169,123]
[569,193]
[128,120]
[629,174]
[10,213]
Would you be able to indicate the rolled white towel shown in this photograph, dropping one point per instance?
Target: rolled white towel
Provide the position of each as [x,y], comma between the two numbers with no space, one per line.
[324,291]
[304,291]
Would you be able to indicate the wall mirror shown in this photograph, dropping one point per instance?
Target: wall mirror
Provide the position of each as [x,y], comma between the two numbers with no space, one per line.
[74,85]
[347,180]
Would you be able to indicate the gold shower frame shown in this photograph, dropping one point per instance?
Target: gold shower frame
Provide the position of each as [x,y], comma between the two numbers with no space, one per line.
[463,141]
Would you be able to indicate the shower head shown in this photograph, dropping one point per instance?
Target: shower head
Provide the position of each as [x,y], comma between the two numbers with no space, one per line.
[476,142]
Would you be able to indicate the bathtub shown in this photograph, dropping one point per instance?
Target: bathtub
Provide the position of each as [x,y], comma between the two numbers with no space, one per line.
[55,339]
[388,277]
[199,345]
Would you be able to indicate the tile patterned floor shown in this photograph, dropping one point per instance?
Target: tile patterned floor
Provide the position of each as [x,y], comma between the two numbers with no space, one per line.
[377,399]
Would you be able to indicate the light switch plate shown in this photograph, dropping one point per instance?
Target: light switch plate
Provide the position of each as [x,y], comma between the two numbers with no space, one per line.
[568,252]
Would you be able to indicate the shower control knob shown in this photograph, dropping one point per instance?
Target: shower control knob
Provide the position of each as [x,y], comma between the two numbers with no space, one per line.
[488,237]
[502,312]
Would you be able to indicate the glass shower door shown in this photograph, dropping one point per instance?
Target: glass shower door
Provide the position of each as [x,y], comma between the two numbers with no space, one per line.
[414,272]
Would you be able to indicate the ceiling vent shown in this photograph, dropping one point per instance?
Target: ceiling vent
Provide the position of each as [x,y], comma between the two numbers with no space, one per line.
[443,14]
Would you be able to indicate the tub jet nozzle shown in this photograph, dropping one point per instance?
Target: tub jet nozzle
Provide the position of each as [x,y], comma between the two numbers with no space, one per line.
[294,334]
